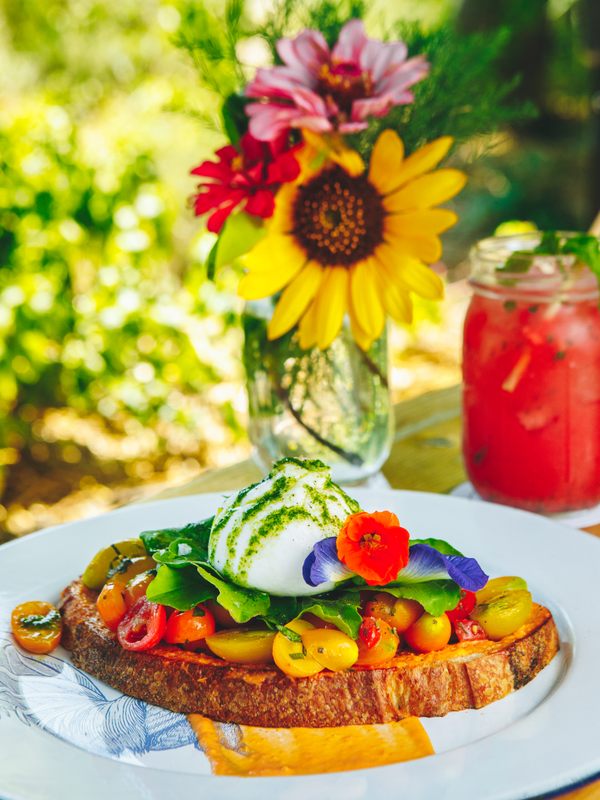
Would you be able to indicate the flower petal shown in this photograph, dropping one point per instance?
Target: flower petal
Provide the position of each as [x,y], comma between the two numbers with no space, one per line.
[261,204]
[273,263]
[411,272]
[350,43]
[307,329]
[425,248]
[423,160]
[282,221]
[427,191]
[421,223]
[330,304]
[305,54]
[366,303]
[395,298]
[378,58]
[386,161]
[295,299]
[363,339]
[427,564]
[322,565]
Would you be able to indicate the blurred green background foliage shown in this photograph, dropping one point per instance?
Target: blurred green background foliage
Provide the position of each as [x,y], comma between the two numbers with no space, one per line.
[119,361]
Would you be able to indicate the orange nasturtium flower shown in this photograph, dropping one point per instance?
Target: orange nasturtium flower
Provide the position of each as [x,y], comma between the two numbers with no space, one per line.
[373,546]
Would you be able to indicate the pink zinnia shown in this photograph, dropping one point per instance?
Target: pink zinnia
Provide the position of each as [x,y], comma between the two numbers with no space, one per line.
[325,90]
[250,175]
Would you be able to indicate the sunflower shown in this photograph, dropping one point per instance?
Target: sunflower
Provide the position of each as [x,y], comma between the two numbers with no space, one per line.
[344,240]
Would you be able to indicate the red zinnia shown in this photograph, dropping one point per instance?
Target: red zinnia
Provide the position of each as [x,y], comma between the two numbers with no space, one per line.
[252,173]
[374,546]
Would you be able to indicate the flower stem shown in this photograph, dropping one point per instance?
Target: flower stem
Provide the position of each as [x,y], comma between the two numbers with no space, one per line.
[351,458]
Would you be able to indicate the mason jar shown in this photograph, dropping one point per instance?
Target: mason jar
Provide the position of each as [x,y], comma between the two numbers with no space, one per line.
[531,368]
[331,404]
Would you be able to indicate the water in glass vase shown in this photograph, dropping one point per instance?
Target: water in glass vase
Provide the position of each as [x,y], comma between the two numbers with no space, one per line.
[330,404]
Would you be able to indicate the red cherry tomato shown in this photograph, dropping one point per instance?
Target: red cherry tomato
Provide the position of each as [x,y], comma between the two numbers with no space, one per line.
[190,627]
[143,626]
[466,604]
[369,632]
[468,630]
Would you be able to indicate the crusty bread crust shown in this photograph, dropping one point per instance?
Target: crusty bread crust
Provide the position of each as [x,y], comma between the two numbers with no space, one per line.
[468,675]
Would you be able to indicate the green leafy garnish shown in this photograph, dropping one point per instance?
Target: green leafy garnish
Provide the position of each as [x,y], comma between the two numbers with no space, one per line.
[40,621]
[585,247]
[179,588]
[196,532]
[243,604]
[435,596]
[342,611]
[289,634]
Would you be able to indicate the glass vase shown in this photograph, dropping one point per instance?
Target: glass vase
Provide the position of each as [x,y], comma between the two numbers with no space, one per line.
[331,404]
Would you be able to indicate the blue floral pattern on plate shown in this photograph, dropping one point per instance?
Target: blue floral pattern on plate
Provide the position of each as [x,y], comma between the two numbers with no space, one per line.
[52,694]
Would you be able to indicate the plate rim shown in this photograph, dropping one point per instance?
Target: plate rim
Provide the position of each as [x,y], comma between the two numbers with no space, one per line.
[213,497]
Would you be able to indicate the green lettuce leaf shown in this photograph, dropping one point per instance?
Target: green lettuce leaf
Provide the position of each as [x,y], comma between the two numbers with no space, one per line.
[243,604]
[435,596]
[179,588]
[197,532]
[180,553]
[342,611]
[438,544]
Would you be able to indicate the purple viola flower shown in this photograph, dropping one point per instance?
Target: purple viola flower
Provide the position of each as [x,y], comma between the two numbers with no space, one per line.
[425,563]
[322,564]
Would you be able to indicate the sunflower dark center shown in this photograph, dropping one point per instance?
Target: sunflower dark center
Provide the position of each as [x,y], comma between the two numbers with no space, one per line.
[344,83]
[338,219]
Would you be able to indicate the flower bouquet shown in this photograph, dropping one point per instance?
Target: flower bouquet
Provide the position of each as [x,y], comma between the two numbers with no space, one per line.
[336,223]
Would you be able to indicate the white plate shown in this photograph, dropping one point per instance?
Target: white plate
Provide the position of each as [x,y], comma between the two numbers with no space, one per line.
[542,738]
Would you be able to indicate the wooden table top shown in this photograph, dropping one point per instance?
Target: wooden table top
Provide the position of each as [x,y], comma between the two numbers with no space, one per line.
[426,456]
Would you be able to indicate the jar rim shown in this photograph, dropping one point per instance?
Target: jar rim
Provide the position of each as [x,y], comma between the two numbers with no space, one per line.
[555,277]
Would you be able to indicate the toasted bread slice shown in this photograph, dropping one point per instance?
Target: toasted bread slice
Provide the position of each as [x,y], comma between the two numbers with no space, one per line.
[467,675]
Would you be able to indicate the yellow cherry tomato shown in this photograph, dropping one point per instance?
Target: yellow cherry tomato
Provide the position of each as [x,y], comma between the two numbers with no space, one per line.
[332,649]
[503,613]
[37,626]
[398,613]
[377,642]
[137,586]
[128,568]
[111,604]
[508,583]
[290,655]
[243,646]
[429,633]
[96,574]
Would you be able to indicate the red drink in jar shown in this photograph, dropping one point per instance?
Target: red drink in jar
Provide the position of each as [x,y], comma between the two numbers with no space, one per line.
[531,367]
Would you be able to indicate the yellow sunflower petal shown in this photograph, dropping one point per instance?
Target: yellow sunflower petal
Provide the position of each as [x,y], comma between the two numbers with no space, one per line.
[386,160]
[330,304]
[426,191]
[361,337]
[281,221]
[320,148]
[271,267]
[295,300]
[307,328]
[422,160]
[425,248]
[429,221]
[271,252]
[365,298]
[395,299]
[410,272]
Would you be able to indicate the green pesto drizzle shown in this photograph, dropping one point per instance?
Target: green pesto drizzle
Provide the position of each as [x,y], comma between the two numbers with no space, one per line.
[271,495]
[270,526]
